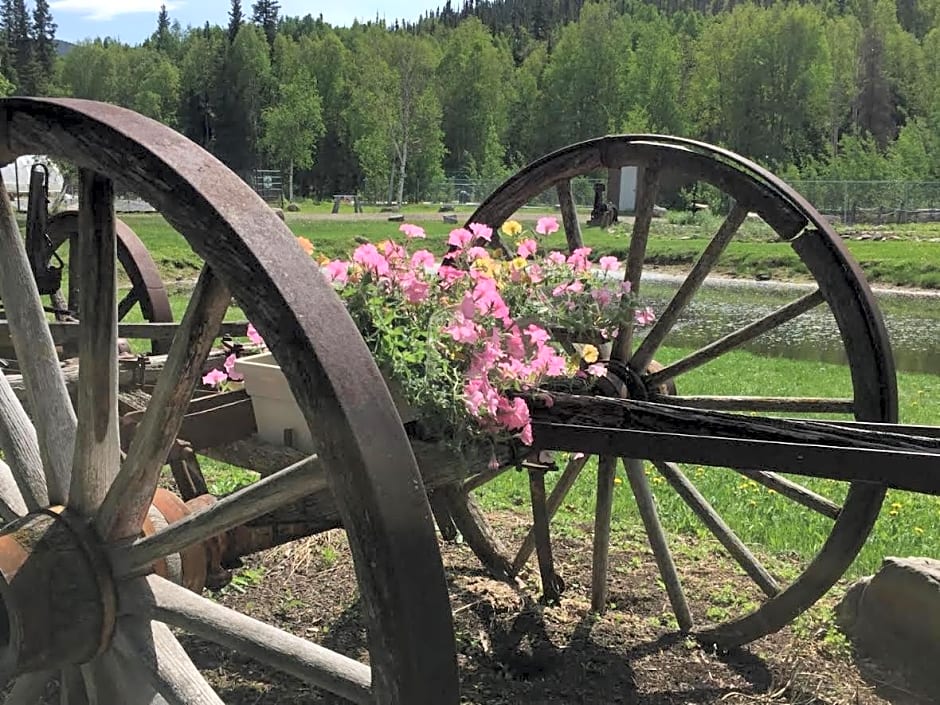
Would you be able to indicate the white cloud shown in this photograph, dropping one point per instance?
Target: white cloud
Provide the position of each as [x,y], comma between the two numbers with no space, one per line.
[109,9]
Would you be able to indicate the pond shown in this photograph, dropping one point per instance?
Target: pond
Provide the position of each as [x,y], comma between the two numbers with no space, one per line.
[723,306]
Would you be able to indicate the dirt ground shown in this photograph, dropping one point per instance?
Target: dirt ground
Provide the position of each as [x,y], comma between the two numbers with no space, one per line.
[513,651]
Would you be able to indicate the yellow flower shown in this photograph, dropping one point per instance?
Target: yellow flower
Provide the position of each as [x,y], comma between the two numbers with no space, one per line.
[518,263]
[511,227]
[918,530]
[618,481]
[589,354]
[323,260]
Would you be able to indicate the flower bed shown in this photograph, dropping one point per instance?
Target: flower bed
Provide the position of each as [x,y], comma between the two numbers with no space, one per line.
[462,337]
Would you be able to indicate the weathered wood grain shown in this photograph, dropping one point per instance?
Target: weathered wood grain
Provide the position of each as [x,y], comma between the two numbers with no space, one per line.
[150,648]
[51,409]
[12,505]
[97,453]
[21,449]
[569,216]
[288,485]
[126,505]
[167,602]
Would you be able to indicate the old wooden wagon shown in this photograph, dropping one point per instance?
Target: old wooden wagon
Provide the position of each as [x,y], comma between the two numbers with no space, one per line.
[96,563]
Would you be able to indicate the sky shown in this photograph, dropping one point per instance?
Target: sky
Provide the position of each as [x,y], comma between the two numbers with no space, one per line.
[132,21]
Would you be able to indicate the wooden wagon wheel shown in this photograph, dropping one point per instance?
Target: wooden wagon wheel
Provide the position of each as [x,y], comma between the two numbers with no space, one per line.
[840,286]
[78,595]
[147,291]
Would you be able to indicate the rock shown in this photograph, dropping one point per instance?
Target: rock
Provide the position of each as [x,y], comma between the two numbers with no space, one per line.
[361,240]
[396,218]
[445,208]
[293,208]
[450,218]
[659,212]
[893,618]
[279,213]
[762,276]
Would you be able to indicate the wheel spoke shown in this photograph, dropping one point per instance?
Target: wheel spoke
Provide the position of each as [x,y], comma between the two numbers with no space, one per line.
[667,319]
[559,492]
[127,303]
[12,505]
[606,470]
[126,504]
[72,690]
[287,485]
[97,444]
[107,683]
[657,538]
[733,340]
[178,607]
[47,396]
[569,215]
[21,448]
[29,688]
[151,649]
[792,490]
[813,405]
[646,200]
[704,511]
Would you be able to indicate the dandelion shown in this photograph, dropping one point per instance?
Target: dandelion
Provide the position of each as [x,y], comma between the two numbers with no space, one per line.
[919,531]
[618,481]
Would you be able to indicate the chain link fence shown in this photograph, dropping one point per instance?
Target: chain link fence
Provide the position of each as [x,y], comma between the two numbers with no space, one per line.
[873,201]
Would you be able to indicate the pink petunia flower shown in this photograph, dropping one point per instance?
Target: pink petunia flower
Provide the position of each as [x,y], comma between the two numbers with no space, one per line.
[475,253]
[229,366]
[556,257]
[463,330]
[483,232]
[423,258]
[214,378]
[645,316]
[547,226]
[597,369]
[512,414]
[371,259]
[337,271]
[412,231]
[527,248]
[416,290]
[460,238]
[609,264]
[253,335]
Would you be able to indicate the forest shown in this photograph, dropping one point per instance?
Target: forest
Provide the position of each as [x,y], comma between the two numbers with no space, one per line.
[833,89]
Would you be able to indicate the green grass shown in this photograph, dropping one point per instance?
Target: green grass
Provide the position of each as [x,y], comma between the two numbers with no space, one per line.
[911,261]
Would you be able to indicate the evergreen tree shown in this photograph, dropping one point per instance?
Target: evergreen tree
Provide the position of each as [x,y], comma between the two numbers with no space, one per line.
[235,19]
[161,39]
[44,44]
[264,14]
[22,48]
[7,46]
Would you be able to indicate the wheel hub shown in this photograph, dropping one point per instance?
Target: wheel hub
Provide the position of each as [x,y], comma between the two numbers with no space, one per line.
[623,382]
[57,598]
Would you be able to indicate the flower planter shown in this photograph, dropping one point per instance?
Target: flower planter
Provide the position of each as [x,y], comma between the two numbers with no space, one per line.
[277,416]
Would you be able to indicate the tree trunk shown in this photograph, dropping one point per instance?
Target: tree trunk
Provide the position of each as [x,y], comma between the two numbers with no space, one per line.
[290,182]
[401,174]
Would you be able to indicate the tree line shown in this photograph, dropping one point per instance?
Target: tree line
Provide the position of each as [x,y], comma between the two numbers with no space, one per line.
[835,89]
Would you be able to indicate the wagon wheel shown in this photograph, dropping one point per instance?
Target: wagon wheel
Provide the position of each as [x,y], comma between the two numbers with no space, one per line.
[147,289]
[79,599]
[839,286]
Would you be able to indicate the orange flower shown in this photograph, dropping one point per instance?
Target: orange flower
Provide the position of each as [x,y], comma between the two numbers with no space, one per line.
[306,245]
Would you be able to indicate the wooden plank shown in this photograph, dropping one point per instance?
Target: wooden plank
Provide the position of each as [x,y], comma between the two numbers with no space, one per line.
[21,449]
[604,502]
[68,331]
[569,216]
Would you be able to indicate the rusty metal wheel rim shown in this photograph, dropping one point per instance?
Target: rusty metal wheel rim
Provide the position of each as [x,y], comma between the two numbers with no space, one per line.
[335,381]
[845,290]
